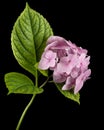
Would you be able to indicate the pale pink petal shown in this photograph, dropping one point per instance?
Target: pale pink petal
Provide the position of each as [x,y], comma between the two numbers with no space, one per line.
[47,60]
[69,83]
[81,79]
[81,58]
[73,62]
[56,42]
[52,63]
[75,72]
[66,64]
[79,86]
[86,62]
[44,64]
[62,66]
[87,74]
[52,39]
[81,50]
[72,45]
[58,78]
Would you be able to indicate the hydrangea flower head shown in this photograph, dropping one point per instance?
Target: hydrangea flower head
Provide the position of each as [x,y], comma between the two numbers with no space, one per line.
[68,62]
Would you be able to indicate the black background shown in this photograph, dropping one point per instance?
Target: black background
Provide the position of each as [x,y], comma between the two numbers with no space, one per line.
[75,21]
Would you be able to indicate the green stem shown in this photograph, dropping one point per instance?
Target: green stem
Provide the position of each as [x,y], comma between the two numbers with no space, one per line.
[24,112]
[44,83]
[36,79]
[29,104]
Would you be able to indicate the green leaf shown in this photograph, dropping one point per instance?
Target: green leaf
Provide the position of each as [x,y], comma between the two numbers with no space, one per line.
[43,72]
[28,38]
[69,94]
[19,83]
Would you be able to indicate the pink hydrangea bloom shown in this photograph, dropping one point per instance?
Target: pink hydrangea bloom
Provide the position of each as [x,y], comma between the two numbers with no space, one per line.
[68,62]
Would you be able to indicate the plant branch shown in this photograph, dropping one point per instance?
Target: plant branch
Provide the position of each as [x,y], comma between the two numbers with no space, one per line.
[45,82]
[24,112]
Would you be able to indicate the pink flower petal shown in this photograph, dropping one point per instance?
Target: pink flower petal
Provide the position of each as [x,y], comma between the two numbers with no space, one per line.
[43,64]
[69,83]
[56,42]
[81,79]
[58,78]
[75,72]
[47,60]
